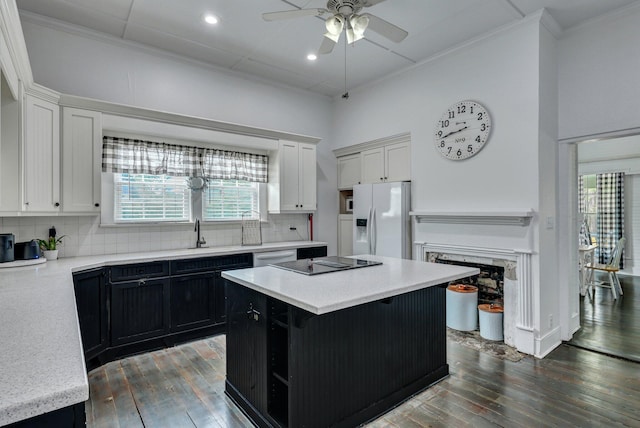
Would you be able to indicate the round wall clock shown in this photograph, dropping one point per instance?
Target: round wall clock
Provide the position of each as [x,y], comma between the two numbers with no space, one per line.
[462,130]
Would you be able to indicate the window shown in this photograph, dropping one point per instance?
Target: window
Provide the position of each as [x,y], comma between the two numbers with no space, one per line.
[150,198]
[229,199]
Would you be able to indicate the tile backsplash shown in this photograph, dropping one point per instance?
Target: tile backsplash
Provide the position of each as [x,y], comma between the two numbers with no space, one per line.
[85,236]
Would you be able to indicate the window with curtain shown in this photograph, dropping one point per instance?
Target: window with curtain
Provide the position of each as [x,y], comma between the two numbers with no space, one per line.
[150,181]
[601,198]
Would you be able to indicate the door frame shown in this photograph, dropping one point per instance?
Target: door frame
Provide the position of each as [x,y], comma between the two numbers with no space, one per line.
[569,298]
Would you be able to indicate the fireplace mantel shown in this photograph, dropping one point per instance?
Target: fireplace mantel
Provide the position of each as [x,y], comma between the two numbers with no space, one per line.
[498,218]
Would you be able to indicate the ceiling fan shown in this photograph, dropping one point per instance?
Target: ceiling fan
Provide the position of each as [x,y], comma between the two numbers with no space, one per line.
[345,15]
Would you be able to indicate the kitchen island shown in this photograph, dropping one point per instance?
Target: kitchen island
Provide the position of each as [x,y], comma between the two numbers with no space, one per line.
[336,349]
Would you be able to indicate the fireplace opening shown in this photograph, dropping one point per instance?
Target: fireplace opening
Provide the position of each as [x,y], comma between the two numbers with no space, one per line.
[490,281]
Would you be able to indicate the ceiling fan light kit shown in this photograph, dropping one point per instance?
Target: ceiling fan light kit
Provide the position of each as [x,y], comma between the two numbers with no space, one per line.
[344,16]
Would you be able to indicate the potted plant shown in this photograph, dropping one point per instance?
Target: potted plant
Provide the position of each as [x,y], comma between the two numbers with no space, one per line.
[49,247]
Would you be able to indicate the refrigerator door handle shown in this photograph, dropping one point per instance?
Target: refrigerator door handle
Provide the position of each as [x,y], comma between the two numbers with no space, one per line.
[369,225]
[374,231]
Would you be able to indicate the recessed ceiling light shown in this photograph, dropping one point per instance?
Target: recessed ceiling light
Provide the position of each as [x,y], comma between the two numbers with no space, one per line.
[312,57]
[210,19]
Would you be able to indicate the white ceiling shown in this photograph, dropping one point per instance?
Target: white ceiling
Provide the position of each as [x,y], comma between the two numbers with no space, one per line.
[277,51]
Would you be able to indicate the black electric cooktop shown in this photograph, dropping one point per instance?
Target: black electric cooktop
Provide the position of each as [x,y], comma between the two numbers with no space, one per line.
[320,265]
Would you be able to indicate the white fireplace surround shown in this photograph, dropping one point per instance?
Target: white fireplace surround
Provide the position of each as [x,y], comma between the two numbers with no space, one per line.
[518,287]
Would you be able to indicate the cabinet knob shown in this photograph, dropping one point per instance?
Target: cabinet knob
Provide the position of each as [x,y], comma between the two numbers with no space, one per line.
[26,203]
[381,178]
[57,204]
[96,205]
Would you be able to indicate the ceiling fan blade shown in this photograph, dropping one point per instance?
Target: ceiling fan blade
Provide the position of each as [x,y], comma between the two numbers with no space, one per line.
[326,46]
[368,3]
[385,28]
[290,14]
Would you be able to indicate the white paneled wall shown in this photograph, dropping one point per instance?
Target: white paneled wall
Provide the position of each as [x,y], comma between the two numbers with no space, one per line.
[632,224]
[84,236]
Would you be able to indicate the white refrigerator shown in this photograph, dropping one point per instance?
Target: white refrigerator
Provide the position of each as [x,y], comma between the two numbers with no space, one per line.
[381,223]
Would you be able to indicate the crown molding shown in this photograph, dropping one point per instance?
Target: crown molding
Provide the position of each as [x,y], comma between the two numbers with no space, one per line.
[179,119]
[373,144]
[13,53]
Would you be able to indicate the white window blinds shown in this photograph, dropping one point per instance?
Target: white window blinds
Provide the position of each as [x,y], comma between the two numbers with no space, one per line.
[151,198]
[230,199]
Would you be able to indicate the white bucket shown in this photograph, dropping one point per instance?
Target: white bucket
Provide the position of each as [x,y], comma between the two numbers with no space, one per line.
[462,301]
[491,321]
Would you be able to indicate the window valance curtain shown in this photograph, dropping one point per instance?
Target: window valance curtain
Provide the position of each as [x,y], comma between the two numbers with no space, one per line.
[126,155]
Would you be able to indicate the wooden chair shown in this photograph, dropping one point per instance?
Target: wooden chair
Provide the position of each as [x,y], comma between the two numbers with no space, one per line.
[612,268]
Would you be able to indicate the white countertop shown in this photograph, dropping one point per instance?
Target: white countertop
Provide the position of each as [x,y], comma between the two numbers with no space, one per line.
[41,360]
[328,292]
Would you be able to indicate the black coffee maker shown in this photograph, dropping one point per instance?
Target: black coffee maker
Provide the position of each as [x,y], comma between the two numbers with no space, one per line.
[7,241]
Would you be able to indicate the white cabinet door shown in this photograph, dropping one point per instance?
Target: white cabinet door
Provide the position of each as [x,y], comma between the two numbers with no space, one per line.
[397,160]
[307,177]
[289,172]
[41,156]
[373,165]
[345,235]
[82,160]
[349,171]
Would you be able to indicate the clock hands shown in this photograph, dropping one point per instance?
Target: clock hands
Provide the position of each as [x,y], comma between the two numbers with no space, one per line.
[455,132]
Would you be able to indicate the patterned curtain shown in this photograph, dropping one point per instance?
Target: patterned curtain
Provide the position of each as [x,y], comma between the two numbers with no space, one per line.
[610,220]
[125,155]
[227,165]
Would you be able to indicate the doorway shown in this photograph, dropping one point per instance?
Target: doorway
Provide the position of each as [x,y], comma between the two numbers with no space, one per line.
[609,325]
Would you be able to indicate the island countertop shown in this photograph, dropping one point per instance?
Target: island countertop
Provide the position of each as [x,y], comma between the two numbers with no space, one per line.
[324,293]
[42,366]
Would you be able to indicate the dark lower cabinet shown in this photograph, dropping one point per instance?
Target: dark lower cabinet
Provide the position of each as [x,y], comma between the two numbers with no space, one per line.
[139,310]
[193,301]
[247,348]
[91,301]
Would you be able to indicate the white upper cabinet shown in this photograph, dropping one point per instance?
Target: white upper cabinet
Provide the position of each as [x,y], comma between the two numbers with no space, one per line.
[292,177]
[41,156]
[388,163]
[349,171]
[397,162]
[81,160]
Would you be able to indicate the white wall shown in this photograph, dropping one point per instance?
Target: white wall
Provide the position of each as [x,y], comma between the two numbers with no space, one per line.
[598,67]
[512,73]
[502,74]
[80,63]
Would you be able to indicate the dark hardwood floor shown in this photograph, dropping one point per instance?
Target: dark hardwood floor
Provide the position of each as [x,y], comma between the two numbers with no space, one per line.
[611,326]
[184,387]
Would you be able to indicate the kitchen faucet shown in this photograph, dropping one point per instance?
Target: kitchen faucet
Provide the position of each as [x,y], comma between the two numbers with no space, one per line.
[199,239]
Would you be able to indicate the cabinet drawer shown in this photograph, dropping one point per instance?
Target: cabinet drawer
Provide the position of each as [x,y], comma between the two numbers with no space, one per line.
[311,252]
[139,271]
[205,264]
